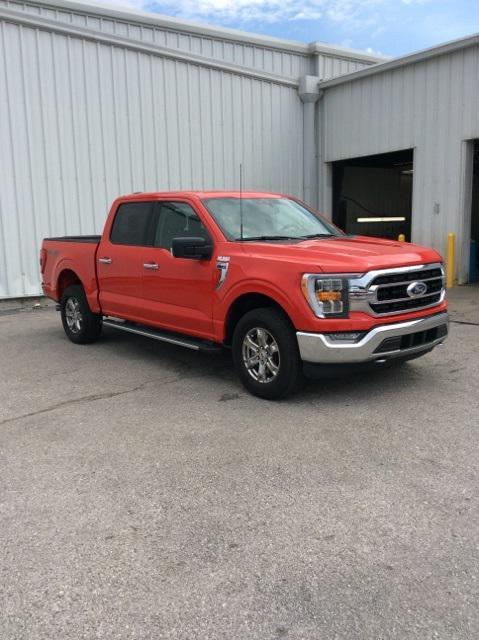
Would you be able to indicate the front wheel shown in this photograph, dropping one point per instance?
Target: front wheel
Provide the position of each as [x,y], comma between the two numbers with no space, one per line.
[265,353]
[80,324]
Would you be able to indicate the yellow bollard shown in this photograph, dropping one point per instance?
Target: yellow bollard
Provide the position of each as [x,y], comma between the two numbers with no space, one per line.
[450,259]
[402,237]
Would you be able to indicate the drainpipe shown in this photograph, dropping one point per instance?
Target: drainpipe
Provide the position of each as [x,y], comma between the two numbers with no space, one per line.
[310,93]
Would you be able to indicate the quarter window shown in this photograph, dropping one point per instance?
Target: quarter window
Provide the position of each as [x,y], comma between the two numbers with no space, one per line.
[132,224]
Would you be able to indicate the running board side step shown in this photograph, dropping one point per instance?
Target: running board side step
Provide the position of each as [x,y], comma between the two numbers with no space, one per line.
[163,336]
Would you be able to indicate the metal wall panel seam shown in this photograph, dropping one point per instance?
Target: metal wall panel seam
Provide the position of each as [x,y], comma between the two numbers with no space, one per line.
[222,130]
[142,130]
[60,142]
[115,121]
[28,129]
[167,144]
[188,103]
[102,121]
[153,119]
[75,201]
[43,134]
[88,134]
[12,151]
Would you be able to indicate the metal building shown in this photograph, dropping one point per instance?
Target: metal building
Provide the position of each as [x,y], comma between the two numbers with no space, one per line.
[399,148]
[96,102]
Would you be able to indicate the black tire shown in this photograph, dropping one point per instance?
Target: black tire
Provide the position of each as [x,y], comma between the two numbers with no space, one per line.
[283,354]
[85,326]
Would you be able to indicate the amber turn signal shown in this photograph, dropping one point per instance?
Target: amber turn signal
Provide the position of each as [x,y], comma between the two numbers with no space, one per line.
[328,296]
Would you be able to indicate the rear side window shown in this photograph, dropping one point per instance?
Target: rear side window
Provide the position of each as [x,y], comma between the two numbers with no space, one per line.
[132,224]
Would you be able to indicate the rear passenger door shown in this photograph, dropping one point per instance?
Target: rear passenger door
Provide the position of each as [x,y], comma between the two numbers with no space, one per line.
[119,260]
[178,291]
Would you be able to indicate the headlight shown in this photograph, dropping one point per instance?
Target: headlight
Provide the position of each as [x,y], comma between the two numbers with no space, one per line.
[328,297]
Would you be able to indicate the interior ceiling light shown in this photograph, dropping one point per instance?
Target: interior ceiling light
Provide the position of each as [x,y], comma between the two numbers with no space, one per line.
[385,219]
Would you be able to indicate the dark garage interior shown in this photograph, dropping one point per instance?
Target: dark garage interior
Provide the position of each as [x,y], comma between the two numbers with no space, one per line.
[372,195]
[474,257]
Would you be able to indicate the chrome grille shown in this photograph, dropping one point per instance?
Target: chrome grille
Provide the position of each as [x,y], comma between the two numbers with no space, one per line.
[385,291]
[390,291]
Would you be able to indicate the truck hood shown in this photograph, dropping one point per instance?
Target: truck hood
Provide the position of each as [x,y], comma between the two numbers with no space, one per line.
[349,254]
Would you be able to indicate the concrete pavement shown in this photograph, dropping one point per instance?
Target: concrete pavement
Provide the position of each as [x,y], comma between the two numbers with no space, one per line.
[146,495]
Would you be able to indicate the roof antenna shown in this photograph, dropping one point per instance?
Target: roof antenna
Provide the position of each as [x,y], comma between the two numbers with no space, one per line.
[241,201]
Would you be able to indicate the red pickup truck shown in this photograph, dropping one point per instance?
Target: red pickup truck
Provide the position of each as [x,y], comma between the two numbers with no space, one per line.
[260,273]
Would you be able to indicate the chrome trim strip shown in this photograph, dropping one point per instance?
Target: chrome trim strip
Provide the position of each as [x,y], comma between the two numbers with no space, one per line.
[398,284]
[403,311]
[318,347]
[222,265]
[392,300]
[393,270]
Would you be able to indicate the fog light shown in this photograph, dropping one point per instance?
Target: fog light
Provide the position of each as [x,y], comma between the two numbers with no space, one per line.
[346,336]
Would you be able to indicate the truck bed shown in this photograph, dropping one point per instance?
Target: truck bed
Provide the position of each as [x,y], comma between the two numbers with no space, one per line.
[67,260]
[89,239]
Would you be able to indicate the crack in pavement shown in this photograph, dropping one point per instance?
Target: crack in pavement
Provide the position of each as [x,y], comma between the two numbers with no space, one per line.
[92,398]
[470,324]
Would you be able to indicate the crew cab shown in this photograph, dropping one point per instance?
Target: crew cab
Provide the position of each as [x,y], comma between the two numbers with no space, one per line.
[261,274]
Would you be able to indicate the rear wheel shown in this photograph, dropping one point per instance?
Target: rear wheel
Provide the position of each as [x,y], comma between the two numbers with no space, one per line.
[266,356]
[80,324]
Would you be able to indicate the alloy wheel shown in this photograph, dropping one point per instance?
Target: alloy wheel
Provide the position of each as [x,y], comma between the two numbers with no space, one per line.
[261,355]
[73,315]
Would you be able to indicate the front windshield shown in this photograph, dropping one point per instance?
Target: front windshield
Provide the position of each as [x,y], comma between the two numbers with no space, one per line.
[267,219]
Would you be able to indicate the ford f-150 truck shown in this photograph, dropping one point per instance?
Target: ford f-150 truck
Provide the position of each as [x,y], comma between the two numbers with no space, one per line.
[260,273]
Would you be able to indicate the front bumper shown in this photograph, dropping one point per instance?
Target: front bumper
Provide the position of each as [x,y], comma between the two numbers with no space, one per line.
[399,340]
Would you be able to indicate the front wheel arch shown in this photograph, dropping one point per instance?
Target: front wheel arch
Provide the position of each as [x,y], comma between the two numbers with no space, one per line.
[245,303]
[289,376]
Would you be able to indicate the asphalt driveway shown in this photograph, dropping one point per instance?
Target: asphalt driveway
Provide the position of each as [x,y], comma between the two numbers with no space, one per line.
[145,495]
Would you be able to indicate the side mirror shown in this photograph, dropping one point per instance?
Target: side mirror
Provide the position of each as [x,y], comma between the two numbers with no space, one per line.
[192,248]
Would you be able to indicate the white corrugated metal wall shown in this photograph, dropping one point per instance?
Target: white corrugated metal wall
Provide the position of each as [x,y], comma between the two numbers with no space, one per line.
[93,106]
[430,106]
[290,60]
[161,31]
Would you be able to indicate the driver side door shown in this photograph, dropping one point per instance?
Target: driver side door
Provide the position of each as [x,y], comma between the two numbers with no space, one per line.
[178,292]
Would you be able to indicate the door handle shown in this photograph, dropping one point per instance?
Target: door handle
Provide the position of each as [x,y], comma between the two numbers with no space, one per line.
[153,266]
[104,260]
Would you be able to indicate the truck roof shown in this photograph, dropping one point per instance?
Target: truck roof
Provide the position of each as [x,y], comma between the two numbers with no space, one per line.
[201,194]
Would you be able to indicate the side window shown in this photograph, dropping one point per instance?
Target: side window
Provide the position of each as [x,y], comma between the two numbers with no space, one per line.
[177,220]
[132,223]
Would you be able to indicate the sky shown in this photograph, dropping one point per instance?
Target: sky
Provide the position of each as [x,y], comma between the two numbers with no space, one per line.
[386,27]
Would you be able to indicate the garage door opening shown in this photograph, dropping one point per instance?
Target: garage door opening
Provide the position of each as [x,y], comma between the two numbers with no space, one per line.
[474,255]
[372,195]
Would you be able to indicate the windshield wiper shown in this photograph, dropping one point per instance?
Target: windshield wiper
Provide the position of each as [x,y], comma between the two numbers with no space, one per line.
[317,235]
[253,238]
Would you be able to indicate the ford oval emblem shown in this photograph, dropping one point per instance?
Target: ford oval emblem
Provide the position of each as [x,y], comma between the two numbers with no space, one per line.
[416,289]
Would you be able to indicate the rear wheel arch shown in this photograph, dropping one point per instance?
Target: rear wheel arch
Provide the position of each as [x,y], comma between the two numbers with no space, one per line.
[67,278]
[80,324]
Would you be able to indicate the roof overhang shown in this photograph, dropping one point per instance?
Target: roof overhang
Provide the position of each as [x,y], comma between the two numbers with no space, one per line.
[403,61]
[192,28]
